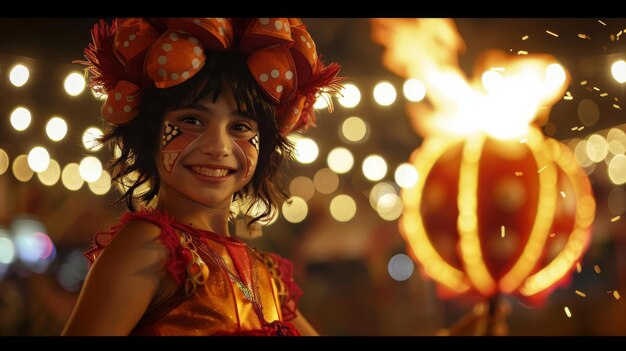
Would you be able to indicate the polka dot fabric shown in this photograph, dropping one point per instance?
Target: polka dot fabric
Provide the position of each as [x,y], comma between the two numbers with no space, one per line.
[281,56]
[264,32]
[132,41]
[304,54]
[173,58]
[273,69]
[214,33]
[122,103]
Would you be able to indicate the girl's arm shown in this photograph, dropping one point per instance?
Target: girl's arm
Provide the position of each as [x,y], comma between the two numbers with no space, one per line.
[121,283]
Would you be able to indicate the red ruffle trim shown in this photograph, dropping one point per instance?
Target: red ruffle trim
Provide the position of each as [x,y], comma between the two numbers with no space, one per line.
[276,328]
[285,273]
[176,265]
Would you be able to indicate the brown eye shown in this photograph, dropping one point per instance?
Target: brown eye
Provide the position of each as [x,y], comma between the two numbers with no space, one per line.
[191,120]
[241,127]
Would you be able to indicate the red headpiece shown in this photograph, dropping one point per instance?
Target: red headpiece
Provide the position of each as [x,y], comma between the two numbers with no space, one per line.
[136,53]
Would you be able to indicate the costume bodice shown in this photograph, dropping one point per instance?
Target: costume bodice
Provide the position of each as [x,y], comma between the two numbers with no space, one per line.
[225,287]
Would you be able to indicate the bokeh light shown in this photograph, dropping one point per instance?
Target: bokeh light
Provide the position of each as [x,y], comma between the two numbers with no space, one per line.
[56,128]
[406,175]
[384,93]
[102,185]
[74,83]
[50,175]
[492,81]
[72,271]
[617,200]
[555,76]
[374,167]
[38,159]
[19,75]
[321,101]
[617,141]
[21,169]
[90,169]
[389,206]
[354,129]
[351,96]
[580,154]
[295,209]
[4,161]
[302,187]
[588,112]
[617,169]
[414,90]
[400,267]
[90,137]
[597,148]
[306,149]
[618,69]
[326,181]
[20,118]
[7,249]
[70,177]
[33,246]
[340,160]
[378,191]
[342,208]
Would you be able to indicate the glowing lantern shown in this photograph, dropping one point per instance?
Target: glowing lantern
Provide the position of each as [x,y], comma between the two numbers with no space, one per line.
[498,207]
[512,231]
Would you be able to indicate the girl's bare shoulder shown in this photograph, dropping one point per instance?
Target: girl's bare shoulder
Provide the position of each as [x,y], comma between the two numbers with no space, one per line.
[137,245]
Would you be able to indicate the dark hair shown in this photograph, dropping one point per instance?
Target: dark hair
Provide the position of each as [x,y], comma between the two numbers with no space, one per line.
[139,139]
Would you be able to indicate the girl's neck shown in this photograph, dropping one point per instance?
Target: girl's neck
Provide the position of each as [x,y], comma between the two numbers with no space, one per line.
[196,215]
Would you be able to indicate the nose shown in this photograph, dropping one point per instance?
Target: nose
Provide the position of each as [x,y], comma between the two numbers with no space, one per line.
[216,143]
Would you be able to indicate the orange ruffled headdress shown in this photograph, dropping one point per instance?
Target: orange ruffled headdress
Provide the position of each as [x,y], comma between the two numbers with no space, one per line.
[135,53]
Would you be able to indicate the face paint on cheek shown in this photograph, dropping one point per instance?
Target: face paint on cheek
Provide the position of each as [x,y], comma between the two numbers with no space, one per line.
[250,150]
[173,143]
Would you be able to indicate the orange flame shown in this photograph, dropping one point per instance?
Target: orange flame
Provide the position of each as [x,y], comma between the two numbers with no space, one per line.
[506,94]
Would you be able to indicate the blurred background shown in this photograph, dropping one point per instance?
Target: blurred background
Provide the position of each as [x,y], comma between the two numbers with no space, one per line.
[349,256]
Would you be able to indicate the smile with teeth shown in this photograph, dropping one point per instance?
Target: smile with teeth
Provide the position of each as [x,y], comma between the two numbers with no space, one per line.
[212,172]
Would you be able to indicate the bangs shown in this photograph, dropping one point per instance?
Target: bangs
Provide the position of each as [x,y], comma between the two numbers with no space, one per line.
[222,70]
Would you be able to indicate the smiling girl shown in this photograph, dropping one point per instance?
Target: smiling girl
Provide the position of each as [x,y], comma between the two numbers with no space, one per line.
[200,109]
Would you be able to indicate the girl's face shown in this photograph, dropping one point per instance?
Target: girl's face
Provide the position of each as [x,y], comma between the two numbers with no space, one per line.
[208,151]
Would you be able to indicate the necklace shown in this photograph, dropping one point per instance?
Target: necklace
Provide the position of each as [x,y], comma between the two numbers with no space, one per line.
[251,293]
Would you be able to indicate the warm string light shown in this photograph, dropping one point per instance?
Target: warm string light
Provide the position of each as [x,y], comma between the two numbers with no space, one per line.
[19,75]
[20,118]
[51,174]
[74,84]
[350,96]
[56,128]
[4,161]
[70,177]
[295,209]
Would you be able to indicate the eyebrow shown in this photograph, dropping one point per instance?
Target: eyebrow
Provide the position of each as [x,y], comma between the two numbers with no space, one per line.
[195,107]
[204,109]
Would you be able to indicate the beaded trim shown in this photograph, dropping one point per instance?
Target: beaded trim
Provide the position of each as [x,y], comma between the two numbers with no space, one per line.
[197,270]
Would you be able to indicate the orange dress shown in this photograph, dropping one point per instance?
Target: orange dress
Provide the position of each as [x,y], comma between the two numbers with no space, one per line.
[226,288]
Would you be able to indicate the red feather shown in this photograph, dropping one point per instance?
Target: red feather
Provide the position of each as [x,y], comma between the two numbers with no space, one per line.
[324,79]
[106,70]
